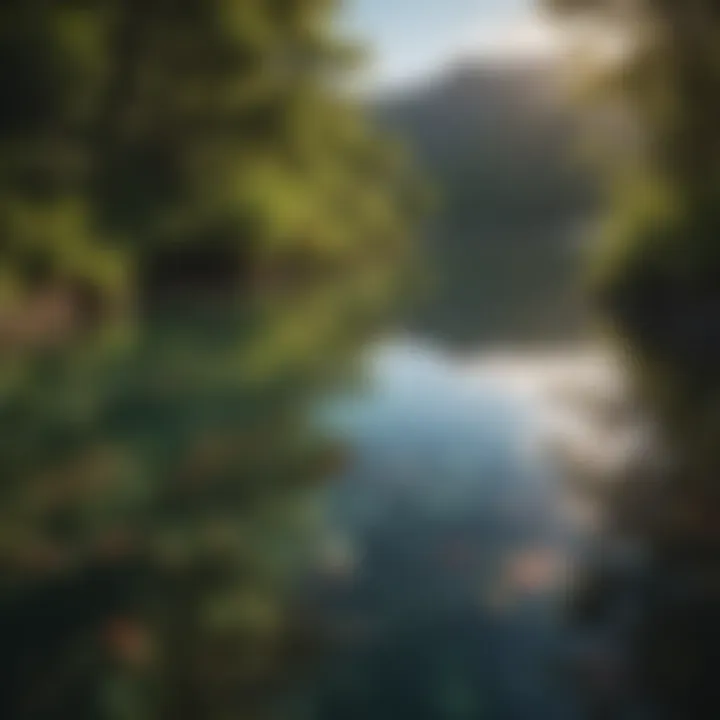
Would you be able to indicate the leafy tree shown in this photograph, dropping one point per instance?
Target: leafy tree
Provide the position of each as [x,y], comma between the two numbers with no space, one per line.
[657,276]
[131,129]
[197,229]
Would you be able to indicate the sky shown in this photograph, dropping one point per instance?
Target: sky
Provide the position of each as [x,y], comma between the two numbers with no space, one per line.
[410,38]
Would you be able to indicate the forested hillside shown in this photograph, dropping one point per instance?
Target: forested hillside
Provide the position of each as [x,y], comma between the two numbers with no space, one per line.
[501,142]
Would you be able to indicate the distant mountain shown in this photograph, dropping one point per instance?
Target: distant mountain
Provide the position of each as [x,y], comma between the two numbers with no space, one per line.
[500,142]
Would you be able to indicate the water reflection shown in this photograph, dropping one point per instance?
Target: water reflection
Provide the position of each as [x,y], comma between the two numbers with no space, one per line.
[156,500]
[170,502]
[440,578]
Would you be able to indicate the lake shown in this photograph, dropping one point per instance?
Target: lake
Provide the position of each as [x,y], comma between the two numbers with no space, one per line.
[440,577]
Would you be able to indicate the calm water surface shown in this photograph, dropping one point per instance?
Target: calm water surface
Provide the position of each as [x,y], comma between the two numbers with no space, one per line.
[442,569]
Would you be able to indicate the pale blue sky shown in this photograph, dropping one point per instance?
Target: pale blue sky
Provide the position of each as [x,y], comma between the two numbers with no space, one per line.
[410,37]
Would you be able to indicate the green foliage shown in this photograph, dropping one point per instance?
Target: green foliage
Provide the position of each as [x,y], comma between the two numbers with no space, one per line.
[173,481]
[131,125]
[656,271]
[197,230]
[657,276]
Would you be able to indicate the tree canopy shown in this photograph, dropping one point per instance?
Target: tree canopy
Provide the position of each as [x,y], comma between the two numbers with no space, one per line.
[133,127]
[657,278]
[196,226]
